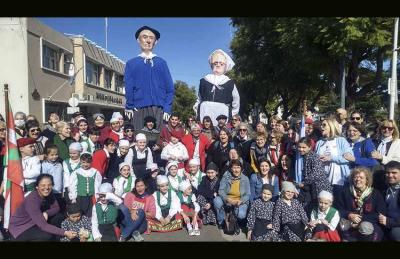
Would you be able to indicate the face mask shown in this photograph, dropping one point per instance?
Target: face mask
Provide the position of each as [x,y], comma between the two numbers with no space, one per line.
[19,123]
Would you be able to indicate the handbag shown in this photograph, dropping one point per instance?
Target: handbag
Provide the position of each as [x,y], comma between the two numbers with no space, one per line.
[344,224]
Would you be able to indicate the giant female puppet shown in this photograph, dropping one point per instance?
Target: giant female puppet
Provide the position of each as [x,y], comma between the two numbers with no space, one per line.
[149,89]
[217,92]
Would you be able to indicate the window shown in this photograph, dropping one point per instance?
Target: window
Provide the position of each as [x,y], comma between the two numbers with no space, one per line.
[51,58]
[67,63]
[107,78]
[119,83]
[92,73]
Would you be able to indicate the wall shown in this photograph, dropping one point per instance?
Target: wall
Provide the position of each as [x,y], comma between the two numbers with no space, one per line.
[14,63]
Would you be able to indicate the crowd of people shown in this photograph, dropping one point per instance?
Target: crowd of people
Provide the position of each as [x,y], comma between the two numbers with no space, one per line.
[116,179]
[92,180]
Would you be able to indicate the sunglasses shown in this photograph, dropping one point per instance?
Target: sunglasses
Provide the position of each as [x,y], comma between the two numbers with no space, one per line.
[355,118]
[243,130]
[34,130]
[3,129]
[387,128]
[129,130]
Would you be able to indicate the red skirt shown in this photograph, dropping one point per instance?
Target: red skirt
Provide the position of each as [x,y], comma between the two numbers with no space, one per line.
[328,235]
[190,213]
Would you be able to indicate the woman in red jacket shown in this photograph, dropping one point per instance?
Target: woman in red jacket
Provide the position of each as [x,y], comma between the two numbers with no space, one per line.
[196,144]
[101,157]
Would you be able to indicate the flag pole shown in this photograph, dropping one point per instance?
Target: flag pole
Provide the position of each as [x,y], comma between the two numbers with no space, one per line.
[7,110]
[106,28]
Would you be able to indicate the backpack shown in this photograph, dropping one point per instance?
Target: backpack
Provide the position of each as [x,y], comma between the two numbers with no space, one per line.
[231,226]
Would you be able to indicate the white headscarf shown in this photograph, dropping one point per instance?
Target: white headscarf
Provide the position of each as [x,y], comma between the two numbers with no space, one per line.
[325,195]
[229,61]
[184,185]
[161,179]
[76,146]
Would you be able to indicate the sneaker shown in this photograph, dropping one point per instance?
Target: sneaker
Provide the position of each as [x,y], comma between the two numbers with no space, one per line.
[196,232]
[137,236]
[191,232]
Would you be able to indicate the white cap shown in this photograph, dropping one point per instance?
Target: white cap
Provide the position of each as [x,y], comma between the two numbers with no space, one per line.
[105,187]
[124,143]
[75,146]
[325,195]
[141,136]
[124,164]
[117,115]
[184,185]
[172,163]
[114,119]
[161,179]
[194,161]
[288,186]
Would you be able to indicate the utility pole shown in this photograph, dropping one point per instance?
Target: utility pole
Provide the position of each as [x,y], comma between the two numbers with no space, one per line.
[393,85]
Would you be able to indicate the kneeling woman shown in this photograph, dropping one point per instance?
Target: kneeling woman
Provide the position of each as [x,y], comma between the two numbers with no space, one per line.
[167,207]
[289,218]
[32,221]
[359,206]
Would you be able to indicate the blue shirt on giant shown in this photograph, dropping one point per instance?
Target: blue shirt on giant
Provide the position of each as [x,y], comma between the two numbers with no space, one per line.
[148,84]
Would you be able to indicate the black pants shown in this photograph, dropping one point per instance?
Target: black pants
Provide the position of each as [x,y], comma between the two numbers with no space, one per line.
[86,205]
[34,234]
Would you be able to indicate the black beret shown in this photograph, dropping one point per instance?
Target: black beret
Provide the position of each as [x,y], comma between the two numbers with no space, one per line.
[156,33]
[221,117]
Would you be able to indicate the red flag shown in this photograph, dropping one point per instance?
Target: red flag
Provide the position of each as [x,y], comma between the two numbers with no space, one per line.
[14,178]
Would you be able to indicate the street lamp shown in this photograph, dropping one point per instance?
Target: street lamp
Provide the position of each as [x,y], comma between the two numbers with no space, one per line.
[70,81]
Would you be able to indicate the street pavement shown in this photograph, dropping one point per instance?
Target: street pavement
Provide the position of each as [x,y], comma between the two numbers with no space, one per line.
[208,234]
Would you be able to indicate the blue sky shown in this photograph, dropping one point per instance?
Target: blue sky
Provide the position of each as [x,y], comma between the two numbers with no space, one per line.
[185,43]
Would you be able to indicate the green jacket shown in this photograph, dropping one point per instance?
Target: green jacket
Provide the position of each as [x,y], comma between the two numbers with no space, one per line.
[62,145]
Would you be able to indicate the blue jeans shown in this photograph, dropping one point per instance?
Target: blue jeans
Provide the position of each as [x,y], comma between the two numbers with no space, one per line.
[128,225]
[240,211]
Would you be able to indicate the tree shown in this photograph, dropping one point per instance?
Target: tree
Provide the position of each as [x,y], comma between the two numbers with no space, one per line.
[290,59]
[184,100]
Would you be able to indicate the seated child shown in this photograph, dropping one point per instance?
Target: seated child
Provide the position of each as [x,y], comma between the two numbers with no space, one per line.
[289,217]
[52,166]
[324,219]
[175,151]
[78,223]
[84,185]
[207,191]
[105,214]
[124,183]
[195,175]
[167,207]
[175,177]
[189,208]
[259,219]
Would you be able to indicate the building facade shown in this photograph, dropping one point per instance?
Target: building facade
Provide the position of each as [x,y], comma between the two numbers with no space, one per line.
[45,68]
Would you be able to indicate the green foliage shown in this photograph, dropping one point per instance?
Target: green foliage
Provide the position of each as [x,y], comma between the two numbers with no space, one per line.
[281,61]
[185,98]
